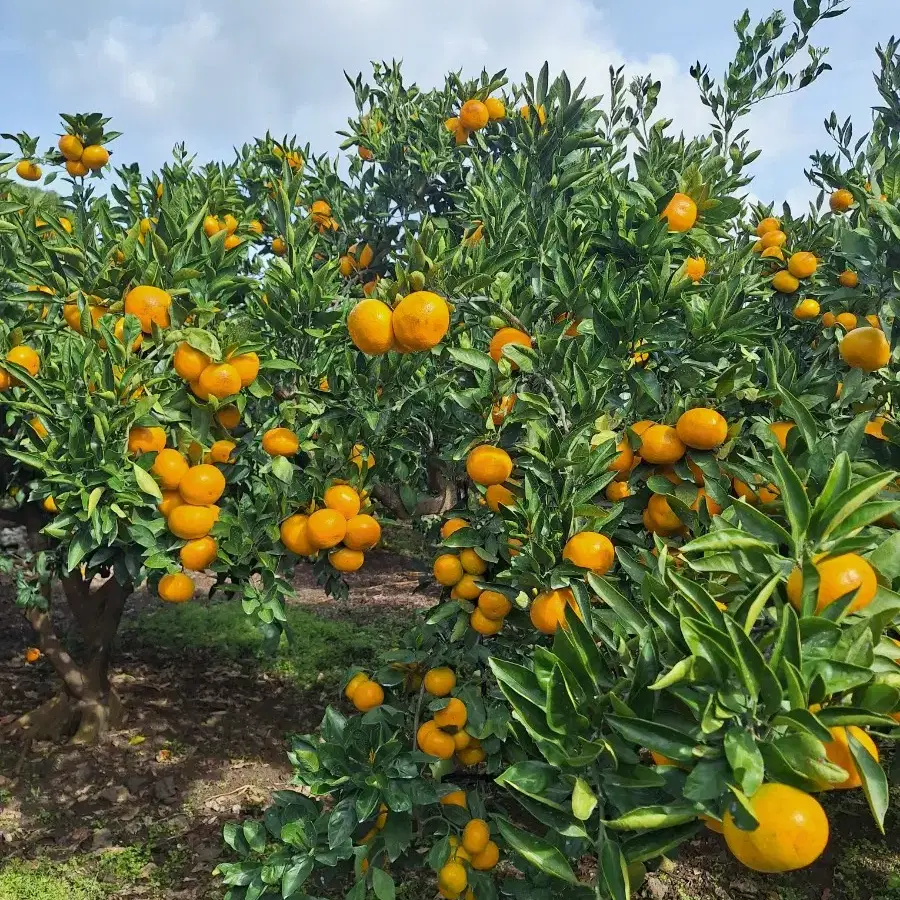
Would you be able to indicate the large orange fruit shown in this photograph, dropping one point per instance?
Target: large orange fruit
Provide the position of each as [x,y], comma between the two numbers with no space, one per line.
[661,445]
[623,460]
[838,751]
[26,357]
[280,442]
[192,522]
[371,328]
[702,428]
[363,532]
[346,560]
[247,365]
[343,499]
[838,575]
[176,587]
[150,304]
[768,224]
[70,147]
[784,282]
[680,212]
[493,604]
[198,555]
[420,321]
[295,537]
[505,336]
[189,362]
[865,348]
[548,610]
[841,200]
[169,467]
[326,528]
[220,380]
[590,550]
[448,570]
[95,157]
[781,431]
[498,495]
[146,440]
[487,465]
[474,115]
[802,264]
[202,485]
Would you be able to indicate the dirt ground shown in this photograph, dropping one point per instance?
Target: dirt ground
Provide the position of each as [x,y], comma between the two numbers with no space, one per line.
[142,815]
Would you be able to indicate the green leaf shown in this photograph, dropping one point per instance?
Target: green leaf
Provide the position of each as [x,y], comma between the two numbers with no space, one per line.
[94,499]
[874,782]
[848,501]
[584,801]
[383,885]
[283,469]
[146,482]
[745,759]
[801,416]
[629,613]
[668,741]
[295,875]
[474,359]
[649,817]
[542,855]
[725,539]
[654,844]
[793,495]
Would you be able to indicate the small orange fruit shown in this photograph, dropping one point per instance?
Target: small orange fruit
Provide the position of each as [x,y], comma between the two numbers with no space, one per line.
[358,679]
[838,575]
[766,225]
[848,279]
[363,532]
[590,550]
[841,200]
[484,625]
[326,528]
[487,859]
[784,282]
[344,499]
[146,440]
[189,362]
[493,604]
[448,570]
[680,212]
[192,522]
[247,365]
[475,836]
[474,115]
[866,349]
[496,108]
[487,465]
[294,535]
[199,554]
[346,560]
[440,681]
[202,485]
[505,336]
[26,357]
[451,526]
[280,442]
[229,417]
[170,499]
[837,750]
[661,445]
[846,320]
[150,304]
[806,309]
[371,329]
[176,587]
[420,321]
[498,495]
[465,588]
[169,467]
[219,380]
[472,562]
[548,610]
[95,157]
[453,715]
[221,451]
[701,428]
[802,264]
[695,268]
[70,147]
[368,695]
[617,491]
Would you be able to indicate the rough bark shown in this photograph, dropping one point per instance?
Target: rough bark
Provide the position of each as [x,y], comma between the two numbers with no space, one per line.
[443,496]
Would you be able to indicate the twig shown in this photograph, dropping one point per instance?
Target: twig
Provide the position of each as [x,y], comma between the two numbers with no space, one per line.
[418,710]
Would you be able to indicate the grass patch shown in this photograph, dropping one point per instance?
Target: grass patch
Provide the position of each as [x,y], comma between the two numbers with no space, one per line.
[324,646]
[20,880]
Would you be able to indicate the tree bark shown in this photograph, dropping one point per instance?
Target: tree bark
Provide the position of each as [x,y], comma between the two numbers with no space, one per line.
[444,496]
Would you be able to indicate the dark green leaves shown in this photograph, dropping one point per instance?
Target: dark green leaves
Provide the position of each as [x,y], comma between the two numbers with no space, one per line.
[539,853]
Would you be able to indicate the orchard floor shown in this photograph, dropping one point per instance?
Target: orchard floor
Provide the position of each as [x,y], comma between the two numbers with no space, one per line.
[142,815]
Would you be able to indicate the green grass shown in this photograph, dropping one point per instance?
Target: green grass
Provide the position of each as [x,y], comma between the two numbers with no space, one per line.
[49,881]
[319,645]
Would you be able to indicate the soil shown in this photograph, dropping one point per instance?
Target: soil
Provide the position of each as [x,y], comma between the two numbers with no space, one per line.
[204,744]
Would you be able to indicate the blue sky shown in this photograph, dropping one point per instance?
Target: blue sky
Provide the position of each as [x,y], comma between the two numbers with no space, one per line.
[215,73]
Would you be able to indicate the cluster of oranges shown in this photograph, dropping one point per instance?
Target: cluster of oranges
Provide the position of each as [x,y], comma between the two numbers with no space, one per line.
[453,878]
[26,357]
[445,735]
[81,159]
[358,259]
[212,225]
[418,322]
[320,214]
[364,693]
[214,379]
[800,265]
[474,115]
[339,522]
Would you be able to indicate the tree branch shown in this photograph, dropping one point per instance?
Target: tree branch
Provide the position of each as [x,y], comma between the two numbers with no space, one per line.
[66,667]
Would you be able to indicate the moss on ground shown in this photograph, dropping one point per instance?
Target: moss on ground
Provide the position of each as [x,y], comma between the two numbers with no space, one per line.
[72,880]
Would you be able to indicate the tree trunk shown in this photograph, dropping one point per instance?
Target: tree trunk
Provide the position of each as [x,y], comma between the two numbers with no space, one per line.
[444,496]
[87,706]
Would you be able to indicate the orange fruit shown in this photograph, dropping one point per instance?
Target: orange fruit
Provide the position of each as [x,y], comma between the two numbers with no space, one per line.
[455,798]
[846,320]
[493,605]
[346,560]
[440,681]
[256,226]
[451,526]
[363,532]
[221,451]
[192,522]
[702,428]
[548,609]
[474,115]
[365,153]
[865,348]
[784,282]
[279,246]
[695,268]
[465,588]
[776,238]
[119,333]
[806,309]
[189,362]
[95,157]
[356,457]
[368,696]
[202,485]
[247,365]
[49,504]
[848,279]
[761,493]
[294,536]
[229,417]
[766,225]
[773,253]
[420,321]
[487,465]
[169,467]
[358,679]
[875,428]
[617,491]
[475,836]
[841,200]
[680,212]
[496,108]
[219,380]
[170,499]
[146,440]
[838,751]
[176,587]
[370,325]
[199,554]
[484,625]
[802,264]
[663,517]
[525,113]
[280,442]
[472,562]
[28,170]
[150,304]
[448,570]
[39,428]
[32,655]
[661,445]
[712,507]
[343,498]
[498,495]
[27,358]
[874,321]
[326,528]
[232,241]
[70,147]
[211,225]
[453,715]
[622,462]
[505,336]
[435,742]
[792,831]
[487,859]
[838,575]
[781,430]
[76,168]
[590,550]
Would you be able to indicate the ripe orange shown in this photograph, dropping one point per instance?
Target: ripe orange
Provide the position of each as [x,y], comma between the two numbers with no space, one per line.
[548,609]
[40,429]
[712,507]
[451,526]
[525,113]
[24,356]
[169,467]
[356,457]
[358,679]
[76,168]
[784,282]
[838,575]
[453,715]
[475,836]
[472,562]
[465,588]
[119,333]
[775,238]
[848,279]
[219,380]
[487,859]
[440,681]
[202,485]
[484,625]
[590,550]
[493,605]
[838,751]
[232,241]
[420,321]
[95,157]
[295,537]
[280,442]
[496,108]
[695,268]
[680,212]
[875,428]
[49,504]
[221,451]
[841,200]
[661,445]
[368,695]
[662,516]
[346,560]
[192,522]
[146,440]
[170,499]
[434,742]
[247,365]
[150,304]
[32,655]
[448,570]
[760,494]
[487,465]
[802,264]
[772,253]
[229,417]
[806,309]
[846,320]
[363,533]
[474,115]
[766,225]
[211,225]
[505,336]
[498,495]
[28,170]
[792,831]
[781,430]
[365,153]
[874,321]
[70,147]
[622,462]
[230,223]
[326,528]
[199,554]
[343,499]
[455,798]
[370,325]
[865,348]
[176,587]
[256,226]
[189,362]
[701,428]
[279,246]
[617,491]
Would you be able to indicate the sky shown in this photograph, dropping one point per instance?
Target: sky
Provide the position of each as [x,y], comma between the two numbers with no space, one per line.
[216,73]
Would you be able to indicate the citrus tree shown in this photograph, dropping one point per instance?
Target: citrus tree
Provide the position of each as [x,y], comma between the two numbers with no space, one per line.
[669,572]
